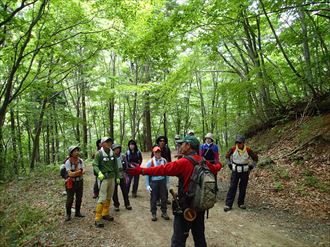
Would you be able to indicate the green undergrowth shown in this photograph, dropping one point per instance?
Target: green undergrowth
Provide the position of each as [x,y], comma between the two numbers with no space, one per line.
[29,207]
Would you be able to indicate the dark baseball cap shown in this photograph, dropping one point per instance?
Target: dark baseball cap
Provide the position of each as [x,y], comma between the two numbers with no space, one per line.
[190,139]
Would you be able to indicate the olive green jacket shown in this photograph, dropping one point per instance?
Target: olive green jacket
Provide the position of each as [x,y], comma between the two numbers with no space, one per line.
[105,162]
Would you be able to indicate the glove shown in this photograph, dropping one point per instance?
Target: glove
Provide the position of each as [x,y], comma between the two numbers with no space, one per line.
[100,176]
[134,171]
[117,180]
[149,189]
[252,165]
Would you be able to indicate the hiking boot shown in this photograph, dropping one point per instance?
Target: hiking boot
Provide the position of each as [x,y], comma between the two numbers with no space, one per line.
[107,217]
[95,196]
[79,215]
[242,206]
[117,209]
[99,224]
[165,216]
[134,195]
[153,217]
[68,218]
[227,208]
[129,207]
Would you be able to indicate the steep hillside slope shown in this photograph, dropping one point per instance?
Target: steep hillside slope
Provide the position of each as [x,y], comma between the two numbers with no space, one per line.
[294,169]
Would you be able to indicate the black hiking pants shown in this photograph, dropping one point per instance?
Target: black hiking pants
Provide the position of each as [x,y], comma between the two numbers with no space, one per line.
[135,184]
[181,229]
[238,179]
[124,193]
[77,189]
[96,189]
[159,190]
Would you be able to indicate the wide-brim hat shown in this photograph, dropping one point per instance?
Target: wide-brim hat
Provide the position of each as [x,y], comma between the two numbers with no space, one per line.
[106,139]
[114,146]
[190,132]
[209,135]
[72,148]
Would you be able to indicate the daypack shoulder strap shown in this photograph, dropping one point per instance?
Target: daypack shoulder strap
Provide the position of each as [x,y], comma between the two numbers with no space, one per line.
[190,158]
[101,154]
[128,154]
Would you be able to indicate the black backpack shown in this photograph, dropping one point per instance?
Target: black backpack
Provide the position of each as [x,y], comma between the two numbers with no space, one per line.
[63,172]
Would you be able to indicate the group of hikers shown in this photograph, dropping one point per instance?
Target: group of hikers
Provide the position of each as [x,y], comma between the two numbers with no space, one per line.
[112,169]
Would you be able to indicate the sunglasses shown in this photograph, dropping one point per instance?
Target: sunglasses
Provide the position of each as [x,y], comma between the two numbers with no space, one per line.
[161,140]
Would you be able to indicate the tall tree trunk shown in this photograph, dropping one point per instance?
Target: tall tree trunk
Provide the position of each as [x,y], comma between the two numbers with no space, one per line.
[77,102]
[147,114]
[53,134]
[35,148]
[307,56]
[57,141]
[165,125]
[147,123]
[225,133]
[19,143]
[47,141]
[215,100]
[186,110]
[112,99]
[122,113]
[84,118]
[203,109]
[13,137]
[177,118]
[134,108]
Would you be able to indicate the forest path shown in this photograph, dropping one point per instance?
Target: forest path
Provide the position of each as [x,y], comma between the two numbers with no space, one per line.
[135,228]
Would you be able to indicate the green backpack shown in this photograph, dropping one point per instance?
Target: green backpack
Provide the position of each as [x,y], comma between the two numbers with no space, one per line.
[202,187]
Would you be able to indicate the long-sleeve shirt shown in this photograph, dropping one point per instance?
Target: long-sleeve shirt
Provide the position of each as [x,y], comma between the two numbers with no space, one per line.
[181,168]
[122,166]
[210,152]
[133,157]
[104,161]
[155,162]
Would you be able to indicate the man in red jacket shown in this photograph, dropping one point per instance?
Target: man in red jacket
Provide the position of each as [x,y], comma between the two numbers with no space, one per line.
[183,169]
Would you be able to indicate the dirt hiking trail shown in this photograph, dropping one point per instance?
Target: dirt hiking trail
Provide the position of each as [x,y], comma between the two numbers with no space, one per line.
[251,227]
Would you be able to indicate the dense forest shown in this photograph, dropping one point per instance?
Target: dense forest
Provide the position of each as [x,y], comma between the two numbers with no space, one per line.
[72,71]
